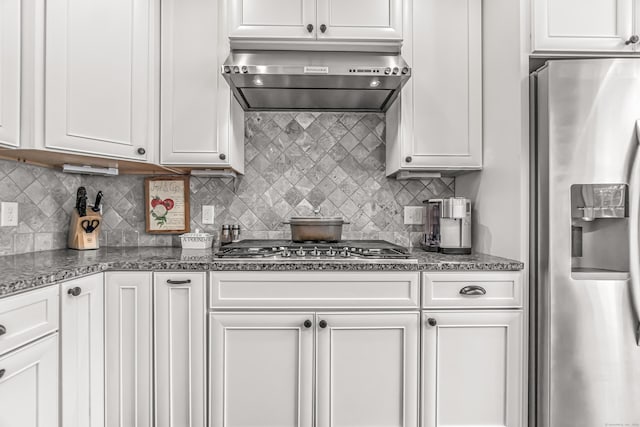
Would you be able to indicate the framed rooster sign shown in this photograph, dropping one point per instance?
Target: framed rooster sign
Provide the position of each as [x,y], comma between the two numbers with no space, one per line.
[167,204]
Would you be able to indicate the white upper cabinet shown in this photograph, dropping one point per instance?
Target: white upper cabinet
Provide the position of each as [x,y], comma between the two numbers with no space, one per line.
[437,123]
[100,78]
[201,123]
[584,25]
[308,20]
[274,19]
[10,41]
[360,19]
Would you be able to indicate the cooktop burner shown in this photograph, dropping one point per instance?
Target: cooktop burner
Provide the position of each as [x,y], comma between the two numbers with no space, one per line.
[286,250]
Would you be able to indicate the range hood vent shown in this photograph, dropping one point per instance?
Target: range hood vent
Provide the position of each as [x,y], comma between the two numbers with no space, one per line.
[315,81]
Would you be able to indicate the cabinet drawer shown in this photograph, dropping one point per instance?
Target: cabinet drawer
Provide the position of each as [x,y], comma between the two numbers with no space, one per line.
[476,289]
[316,290]
[28,316]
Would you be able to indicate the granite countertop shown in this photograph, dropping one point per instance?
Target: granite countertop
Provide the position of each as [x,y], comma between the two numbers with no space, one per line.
[33,270]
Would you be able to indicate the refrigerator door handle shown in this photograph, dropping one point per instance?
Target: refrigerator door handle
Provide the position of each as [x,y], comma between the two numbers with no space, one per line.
[634,238]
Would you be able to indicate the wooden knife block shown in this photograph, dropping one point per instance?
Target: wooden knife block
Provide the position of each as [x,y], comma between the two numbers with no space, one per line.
[80,239]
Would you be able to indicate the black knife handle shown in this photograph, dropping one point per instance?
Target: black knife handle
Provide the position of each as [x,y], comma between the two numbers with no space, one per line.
[96,205]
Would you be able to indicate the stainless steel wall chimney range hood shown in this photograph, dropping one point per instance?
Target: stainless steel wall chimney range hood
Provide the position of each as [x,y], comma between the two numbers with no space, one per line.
[318,81]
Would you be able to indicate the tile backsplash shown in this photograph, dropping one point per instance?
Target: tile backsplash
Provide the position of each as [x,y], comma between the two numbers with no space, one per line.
[295,163]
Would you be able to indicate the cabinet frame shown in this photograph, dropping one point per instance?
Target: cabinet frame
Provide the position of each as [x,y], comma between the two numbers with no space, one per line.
[512,320]
[10,72]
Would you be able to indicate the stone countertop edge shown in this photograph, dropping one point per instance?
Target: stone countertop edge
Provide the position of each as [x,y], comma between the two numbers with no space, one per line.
[21,273]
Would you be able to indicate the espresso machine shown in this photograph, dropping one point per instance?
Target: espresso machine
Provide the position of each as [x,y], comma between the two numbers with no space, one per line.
[447,226]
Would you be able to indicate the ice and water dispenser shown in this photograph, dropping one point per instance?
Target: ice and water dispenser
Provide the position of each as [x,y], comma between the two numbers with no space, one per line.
[599,230]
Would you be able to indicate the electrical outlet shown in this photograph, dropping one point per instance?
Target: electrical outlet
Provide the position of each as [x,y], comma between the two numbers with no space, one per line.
[413,215]
[8,214]
[208,214]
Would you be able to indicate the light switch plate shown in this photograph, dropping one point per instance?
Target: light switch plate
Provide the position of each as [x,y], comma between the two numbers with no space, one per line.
[413,215]
[208,214]
[8,214]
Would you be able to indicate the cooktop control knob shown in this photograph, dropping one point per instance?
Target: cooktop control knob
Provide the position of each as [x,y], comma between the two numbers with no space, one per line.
[315,252]
[345,253]
[331,252]
[300,252]
[286,252]
[396,70]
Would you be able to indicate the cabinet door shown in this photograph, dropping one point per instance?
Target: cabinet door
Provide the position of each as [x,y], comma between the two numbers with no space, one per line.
[29,385]
[82,352]
[360,19]
[367,370]
[201,123]
[261,369]
[582,25]
[440,111]
[10,41]
[180,355]
[100,77]
[272,19]
[128,349]
[472,369]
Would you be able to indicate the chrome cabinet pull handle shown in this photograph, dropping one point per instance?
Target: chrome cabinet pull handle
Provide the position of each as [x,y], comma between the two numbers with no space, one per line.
[473,290]
[178,282]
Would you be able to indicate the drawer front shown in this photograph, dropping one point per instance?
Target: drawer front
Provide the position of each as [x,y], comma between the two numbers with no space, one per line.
[28,316]
[472,290]
[317,290]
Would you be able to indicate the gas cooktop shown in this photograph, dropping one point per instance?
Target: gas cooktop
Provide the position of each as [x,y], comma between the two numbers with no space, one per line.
[286,250]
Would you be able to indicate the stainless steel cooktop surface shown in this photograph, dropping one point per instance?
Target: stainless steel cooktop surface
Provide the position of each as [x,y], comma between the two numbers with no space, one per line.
[344,250]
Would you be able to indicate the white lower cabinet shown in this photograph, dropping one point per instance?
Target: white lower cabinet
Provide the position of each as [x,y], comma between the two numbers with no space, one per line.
[367,369]
[180,350]
[82,352]
[472,368]
[29,385]
[128,343]
[262,369]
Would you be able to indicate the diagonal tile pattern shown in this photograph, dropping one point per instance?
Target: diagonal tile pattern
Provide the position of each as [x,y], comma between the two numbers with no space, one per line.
[295,163]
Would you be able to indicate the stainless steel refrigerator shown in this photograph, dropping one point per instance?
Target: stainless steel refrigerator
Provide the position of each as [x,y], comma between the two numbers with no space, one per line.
[585,246]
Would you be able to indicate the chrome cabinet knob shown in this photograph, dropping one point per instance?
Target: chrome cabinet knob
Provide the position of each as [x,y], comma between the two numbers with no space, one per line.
[2,371]
[632,40]
[323,324]
[432,322]
[142,151]
[310,28]
[408,159]
[3,330]
[308,324]
[74,292]
[222,156]
[323,28]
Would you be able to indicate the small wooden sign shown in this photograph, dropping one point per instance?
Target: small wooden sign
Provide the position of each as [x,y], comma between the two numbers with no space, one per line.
[167,204]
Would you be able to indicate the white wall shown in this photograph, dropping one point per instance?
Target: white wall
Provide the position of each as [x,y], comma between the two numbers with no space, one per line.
[500,191]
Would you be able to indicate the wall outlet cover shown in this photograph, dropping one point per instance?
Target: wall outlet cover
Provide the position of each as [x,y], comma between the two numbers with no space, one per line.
[413,215]
[8,214]
[208,214]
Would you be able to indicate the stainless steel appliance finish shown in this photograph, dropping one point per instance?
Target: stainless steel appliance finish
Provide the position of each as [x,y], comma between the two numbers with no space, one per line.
[587,369]
[374,251]
[318,81]
[448,226]
[316,228]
